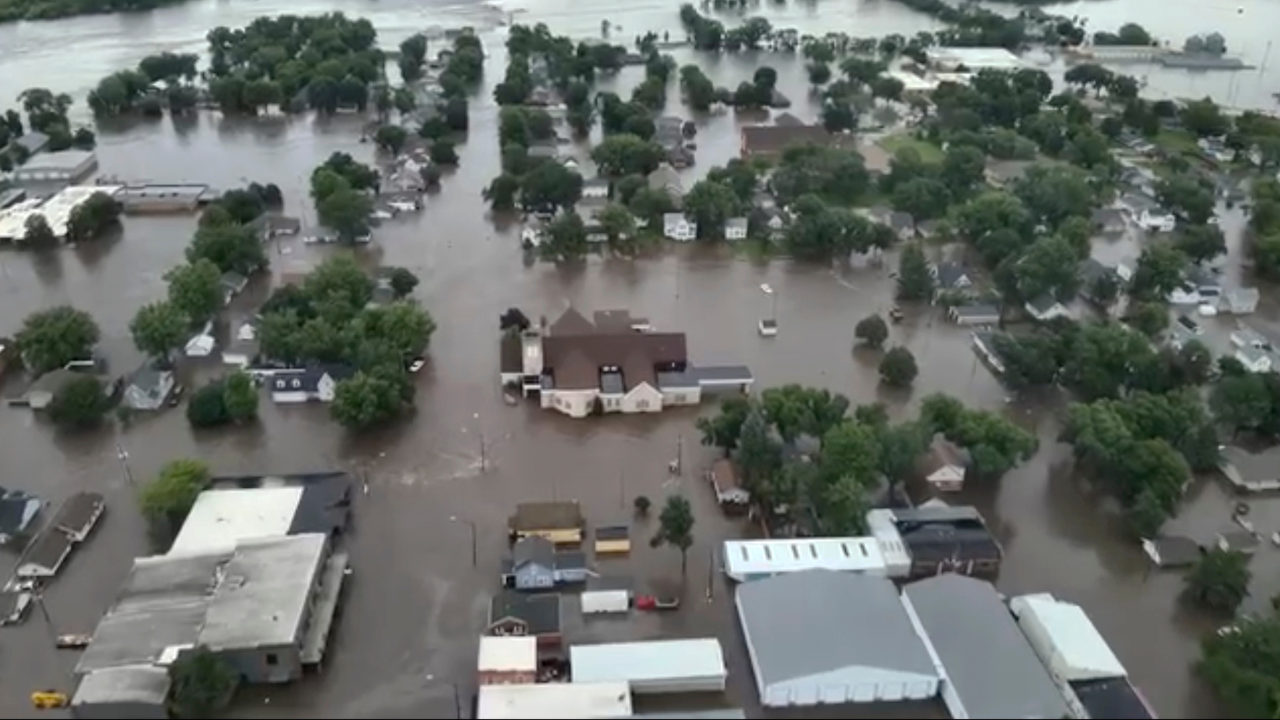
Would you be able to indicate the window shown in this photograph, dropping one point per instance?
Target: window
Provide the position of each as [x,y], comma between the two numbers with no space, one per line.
[272,659]
[642,404]
[297,383]
[678,397]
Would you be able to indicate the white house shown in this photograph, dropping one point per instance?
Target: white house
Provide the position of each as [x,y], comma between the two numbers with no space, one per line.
[1157,219]
[314,383]
[595,189]
[1240,301]
[945,466]
[531,234]
[148,388]
[1046,307]
[676,226]
[749,560]
[827,638]
[735,228]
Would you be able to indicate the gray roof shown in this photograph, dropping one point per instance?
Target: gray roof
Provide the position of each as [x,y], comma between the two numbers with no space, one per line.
[721,372]
[1044,303]
[808,623]
[976,311]
[736,222]
[987,660]
[33,141]
[951,274]
[534,549]
[264,591]
[143,684]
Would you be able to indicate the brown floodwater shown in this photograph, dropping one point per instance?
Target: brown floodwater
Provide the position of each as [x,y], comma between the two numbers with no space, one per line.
[415,604]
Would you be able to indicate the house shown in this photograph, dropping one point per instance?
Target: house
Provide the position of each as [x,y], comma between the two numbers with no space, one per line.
[950,277]
[232,284]
[318,382]
[597,602]
[735,228]
[820,637]
[984,343]
[78,515]
[724,479]
[1255,359]
[270,227]
[1046,307]
[18,510]
[666,178]
[1090,677]
[1172,551]
[1240,301]
[769,141]
[1004,173]
[612,540]
[582,368]
[775,223]
[1180,335]
[535,565]
[944,465]
[589,211]
[265,606]
[148,387]
[677,226]
[979,314]
[1149,214]
[1108,221]
[751,560]
[1250,471]
[510,660]
[545,151]
[243,348]
[928,540]
[653,667]
[668,131]
[554,701]
[1095,278]
[40,393]
[537,616]
[595,188]
[32,142]
[559,522]
[963,618]
[902,224]
[1199,286]
[1241,541]
[131,691]
[532,233]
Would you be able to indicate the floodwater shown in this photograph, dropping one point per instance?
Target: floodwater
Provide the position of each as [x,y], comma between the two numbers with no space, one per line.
[415,604]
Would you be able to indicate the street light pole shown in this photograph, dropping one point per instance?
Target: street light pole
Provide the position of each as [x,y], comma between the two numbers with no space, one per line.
[123,456]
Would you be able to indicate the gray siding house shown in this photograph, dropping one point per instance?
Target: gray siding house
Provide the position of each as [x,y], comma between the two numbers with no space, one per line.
[535,565]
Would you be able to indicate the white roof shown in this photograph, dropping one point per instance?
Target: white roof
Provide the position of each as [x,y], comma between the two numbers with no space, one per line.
[56,210]
[222,518]
[1081,647]
[912,82]
[509,653]
[975,58]
[850,554]
[647,661]
[562,701]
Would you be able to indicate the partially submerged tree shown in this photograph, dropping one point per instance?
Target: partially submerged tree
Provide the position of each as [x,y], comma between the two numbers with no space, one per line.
[240,396]
[80,403]
[49,339]
[898,367]
[159,328]
[872,330]
[166,500]
[676,528]
[203,684]
[1219,581]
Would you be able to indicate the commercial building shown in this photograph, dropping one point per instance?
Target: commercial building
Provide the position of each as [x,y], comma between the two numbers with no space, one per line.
[67,166]
[972,59]
[145,199]
[746,560]
[769,141]
[656,666]
[56,211]
[823,637]
[554,701]
[265,606]
[1092,680]
[987,666]
[927,540]
[140,692]
[292,505]
[507,660]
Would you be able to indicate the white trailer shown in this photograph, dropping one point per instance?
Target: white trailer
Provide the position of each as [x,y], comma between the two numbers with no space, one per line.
[1065,639]
[605,601]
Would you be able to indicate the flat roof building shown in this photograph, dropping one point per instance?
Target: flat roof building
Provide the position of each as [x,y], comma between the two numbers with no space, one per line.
[824,637]
[67,166]
[554,701]
[950,58]
[265,605]
[56,211]
[746,560]
[132,691]
[245,508]
[655,666]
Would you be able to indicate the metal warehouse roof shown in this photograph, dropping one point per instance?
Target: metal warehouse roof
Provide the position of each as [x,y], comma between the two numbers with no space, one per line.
[1072,634]
[985,657]
[652,660]
[561,701]
[818,622]
[749,557]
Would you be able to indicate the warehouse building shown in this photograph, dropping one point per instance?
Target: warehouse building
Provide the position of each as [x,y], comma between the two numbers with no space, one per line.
[746,560]
[987,666]
[558,701]
[268,507]
[652,667]
[824,637]
[66,166]
[138,692]
[1092,680]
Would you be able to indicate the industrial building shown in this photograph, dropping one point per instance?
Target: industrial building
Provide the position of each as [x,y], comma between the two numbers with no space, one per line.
[142,199]
[67,166]
[987,666]
[272,507]
[930,539]
[507,660]
[972,59]
[746,560]
[558,701]
[656,666]
[56,211]
[139,692]
[824,637]
[1092,680]
[265,606]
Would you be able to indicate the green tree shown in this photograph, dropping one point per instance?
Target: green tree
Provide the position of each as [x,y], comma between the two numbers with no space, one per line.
[620,226]
[37,232]
[365,400]
[1201,243]
[203,683]
[797,410]
[675,528]
[1188,195]
[566,239]
[915,282]
[923,198]
[168,498]
[240,396]
[759,456]
[723,429]
[1159,271]
[624,154]
[872,330]
[195,290]
[898,367]
[1049,266]
[851,450]
[346,212]
[901,447]
[550,186]
[1054,193]
[1220,580]
[710,204]
[1242,665]
[159,328]
[502,192]
[444,152]
[403,281]
[231,247]
[51,338]
[208,406]
[80,403]
[995,444]
[391,138]
[1149,318]
[1241,401]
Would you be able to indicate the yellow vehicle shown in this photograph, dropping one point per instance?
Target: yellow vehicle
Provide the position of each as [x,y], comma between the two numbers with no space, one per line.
[48,699]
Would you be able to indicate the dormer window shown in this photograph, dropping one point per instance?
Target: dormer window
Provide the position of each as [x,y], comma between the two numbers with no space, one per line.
[297,383]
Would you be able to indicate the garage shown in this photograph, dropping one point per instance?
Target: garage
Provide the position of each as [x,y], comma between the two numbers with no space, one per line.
[821,637]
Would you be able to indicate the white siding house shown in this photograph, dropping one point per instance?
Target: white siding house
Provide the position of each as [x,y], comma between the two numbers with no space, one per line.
[1065,639]
[561,701]
[746,560]
[823,637]
[657,666]
[676,226]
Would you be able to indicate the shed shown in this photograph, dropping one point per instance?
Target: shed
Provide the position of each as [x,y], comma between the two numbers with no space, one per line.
[725,481]
[559,522]
[507,660]
[131,691]
[1172,551]
[554,701]
[613,539]
[824,637]
[656,666]
[746,560]
[945,465]
[1065,639]
[595,602]
[988,668]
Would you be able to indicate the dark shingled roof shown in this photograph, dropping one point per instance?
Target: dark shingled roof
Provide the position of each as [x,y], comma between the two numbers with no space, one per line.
[546,516]
[1112,698]
[540,614]
[78,514]
[773,139]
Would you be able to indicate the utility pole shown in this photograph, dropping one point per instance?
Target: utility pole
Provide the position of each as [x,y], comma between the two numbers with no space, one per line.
[622,490]
[457,701]
[483,460]
[680,455]
[123,456]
